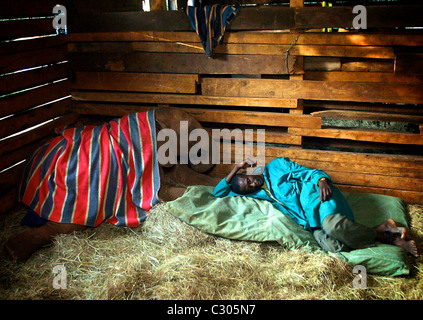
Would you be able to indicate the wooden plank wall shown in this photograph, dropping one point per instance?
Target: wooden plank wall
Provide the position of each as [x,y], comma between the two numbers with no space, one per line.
[347,102]
[34,87]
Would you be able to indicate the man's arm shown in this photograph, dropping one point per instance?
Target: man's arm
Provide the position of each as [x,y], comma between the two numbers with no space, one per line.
[223,188]
[242,165]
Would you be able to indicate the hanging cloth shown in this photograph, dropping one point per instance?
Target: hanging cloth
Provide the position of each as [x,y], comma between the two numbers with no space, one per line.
[210,23]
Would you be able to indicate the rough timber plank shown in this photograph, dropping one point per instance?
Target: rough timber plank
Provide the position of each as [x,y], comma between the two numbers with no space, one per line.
[315,90]
[361,135]
[255,118]
[135,97]
[180,63]
[143,82]
[254,37]
[266,49]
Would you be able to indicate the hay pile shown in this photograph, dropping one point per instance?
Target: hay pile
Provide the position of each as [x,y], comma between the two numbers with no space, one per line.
[167,259]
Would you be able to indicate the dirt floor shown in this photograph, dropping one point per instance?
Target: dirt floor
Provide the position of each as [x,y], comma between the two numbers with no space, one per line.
[167,259]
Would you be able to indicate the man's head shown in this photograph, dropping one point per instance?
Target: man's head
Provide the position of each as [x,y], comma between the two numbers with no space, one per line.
[244,184]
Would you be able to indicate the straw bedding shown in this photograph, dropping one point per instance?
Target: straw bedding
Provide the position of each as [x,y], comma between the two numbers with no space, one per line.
[168,259]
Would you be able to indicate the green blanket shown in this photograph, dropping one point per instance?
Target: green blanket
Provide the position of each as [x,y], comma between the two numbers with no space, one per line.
[242,218]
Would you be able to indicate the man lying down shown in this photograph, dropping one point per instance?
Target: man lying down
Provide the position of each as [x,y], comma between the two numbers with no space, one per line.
[311,200]
[91,174]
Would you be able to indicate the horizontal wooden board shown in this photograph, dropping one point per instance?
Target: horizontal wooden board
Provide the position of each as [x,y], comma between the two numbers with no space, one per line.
[33,117]
[377,16]
[314,90]
[18,141]
[361,77]
[270,137]
[10,159]
[33,78]
[378,181]
[35,97]
[210,115]
[356,167]
[255,118]
[32,44]
[267,49]
[411,197]
[405,162]
[181,63]
[263,37]
[361,135]
[367,65]
[253,18]
[15,29]
[18,61]
[141,82]
[134,97]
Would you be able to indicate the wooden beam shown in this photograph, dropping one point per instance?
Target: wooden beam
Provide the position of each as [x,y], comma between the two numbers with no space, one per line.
[181,63]
[209,115]
[254,118]
[33,44]
[314,90]
[18,61]
[411,197]
[377,16]
[32,78]
[141,82]
[11,125]
[264,37]
[253,18]
[14,29]
[265,49]
[368,65]
[248,18]
[405,162]
[34,97]
[361,77]
[360,135]
[135,97]
[8,145]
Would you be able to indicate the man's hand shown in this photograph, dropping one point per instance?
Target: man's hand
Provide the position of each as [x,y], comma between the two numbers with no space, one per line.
[325,191]
[242,165]
[246,163]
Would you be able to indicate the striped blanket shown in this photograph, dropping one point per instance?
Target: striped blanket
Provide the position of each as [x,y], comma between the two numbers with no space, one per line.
[91,174]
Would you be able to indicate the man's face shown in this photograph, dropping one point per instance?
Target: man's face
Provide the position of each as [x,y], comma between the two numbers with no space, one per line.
[251,183]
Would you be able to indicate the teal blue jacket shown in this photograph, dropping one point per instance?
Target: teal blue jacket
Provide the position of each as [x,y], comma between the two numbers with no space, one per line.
[296,192]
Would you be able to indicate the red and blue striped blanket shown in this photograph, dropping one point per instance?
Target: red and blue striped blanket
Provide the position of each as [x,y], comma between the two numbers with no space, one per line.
[91,174]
